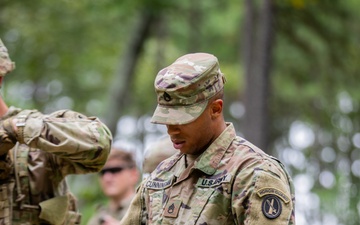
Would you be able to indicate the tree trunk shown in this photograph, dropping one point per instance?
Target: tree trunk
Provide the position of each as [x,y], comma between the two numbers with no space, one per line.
[119,92]
[258,39]
[195,15]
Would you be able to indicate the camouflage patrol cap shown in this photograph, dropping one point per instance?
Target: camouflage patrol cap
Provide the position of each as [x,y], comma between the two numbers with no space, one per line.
[184,88]
[6,65]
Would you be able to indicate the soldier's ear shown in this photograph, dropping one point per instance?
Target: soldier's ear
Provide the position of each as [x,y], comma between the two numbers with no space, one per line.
[216,108]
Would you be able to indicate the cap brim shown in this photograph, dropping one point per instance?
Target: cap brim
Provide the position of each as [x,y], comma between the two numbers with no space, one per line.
[177,115]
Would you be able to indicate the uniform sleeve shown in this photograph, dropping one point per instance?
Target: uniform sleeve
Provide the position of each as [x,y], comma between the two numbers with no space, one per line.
[83,141]
[262,197]
[135,215]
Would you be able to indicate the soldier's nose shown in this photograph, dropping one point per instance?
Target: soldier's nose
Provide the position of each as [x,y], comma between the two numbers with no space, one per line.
[173,129]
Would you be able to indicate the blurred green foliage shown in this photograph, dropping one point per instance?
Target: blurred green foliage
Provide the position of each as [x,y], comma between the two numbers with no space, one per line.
[68,53]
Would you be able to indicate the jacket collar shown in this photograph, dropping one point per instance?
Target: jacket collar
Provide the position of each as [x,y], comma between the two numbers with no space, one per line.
[210,159]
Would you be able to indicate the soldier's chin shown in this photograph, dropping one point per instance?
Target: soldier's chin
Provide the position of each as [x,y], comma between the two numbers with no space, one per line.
[112,194]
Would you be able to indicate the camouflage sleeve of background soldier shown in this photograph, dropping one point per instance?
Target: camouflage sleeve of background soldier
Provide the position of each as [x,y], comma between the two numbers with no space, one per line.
[74,138]
[261,196]
[136,213]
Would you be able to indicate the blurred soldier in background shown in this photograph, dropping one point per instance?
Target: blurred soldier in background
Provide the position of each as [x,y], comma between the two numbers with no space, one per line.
[118,180]
[37,151]
[219,177]
[156,152]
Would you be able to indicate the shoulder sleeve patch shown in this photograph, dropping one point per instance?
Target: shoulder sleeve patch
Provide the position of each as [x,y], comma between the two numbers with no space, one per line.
[271,206]
[273,191]
[272,196]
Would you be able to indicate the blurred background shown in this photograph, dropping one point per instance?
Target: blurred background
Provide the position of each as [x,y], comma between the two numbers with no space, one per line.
[291,66]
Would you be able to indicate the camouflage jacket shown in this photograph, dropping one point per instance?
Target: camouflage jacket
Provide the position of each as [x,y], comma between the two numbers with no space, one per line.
[232,182]
[62,143]
[118,214]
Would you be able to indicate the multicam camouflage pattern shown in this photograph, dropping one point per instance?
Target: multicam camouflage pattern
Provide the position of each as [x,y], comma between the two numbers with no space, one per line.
[184,87]
[6,65]
[156,153]
[62,143]
[117,214]
[232,182]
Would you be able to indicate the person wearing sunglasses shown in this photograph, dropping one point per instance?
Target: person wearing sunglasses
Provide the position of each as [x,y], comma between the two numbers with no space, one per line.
[118,179]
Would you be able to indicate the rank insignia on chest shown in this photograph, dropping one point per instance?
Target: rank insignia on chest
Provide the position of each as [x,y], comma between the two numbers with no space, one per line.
[172,208]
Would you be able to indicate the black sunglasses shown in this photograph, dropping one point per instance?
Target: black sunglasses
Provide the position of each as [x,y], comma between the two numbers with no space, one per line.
[112,170]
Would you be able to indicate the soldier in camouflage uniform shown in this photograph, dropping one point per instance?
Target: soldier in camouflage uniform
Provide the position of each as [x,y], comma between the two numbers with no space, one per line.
[37,151]
[118,179]
[217,177]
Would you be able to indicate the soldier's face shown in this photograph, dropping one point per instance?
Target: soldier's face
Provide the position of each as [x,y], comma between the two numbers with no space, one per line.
[194,137]
[113,176]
